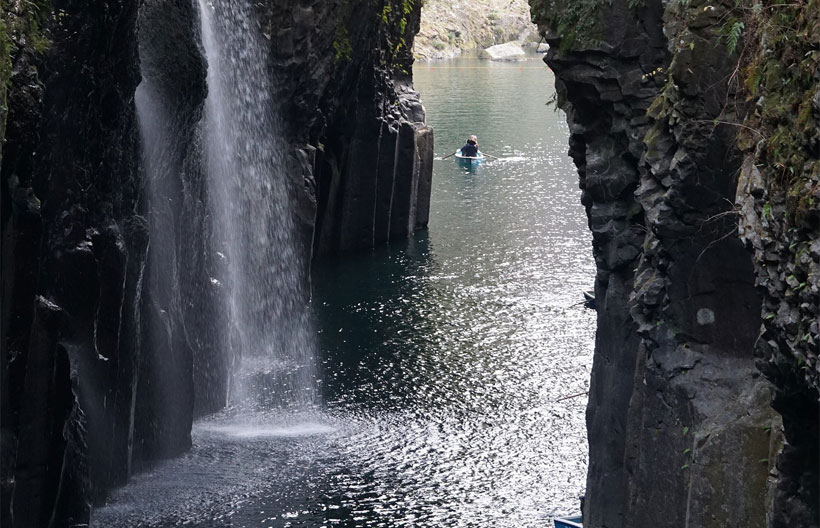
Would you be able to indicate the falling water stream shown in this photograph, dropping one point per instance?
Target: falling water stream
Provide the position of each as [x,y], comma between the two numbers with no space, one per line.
[266,298]
[442,361]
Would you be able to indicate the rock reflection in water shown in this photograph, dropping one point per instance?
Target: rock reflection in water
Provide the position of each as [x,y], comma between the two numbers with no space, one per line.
[442,358]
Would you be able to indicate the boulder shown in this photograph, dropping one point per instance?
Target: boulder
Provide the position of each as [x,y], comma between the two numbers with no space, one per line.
[509,51]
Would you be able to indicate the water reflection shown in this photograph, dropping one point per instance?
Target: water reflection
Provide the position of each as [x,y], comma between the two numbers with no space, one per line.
[443,359]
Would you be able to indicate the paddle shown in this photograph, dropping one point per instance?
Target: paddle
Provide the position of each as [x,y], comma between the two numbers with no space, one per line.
[484,153]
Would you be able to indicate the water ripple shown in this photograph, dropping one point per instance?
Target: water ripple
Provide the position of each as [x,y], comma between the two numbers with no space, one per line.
[443,359]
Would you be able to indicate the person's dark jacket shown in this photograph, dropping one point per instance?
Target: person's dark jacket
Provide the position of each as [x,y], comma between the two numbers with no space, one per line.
[470,149]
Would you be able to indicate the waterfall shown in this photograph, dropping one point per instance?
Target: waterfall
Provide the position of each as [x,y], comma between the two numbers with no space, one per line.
[266,295]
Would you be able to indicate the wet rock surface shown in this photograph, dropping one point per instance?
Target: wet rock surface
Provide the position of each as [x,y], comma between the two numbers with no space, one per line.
[83,359]
[779,210]
[680,421]
[69,162]
[348,104]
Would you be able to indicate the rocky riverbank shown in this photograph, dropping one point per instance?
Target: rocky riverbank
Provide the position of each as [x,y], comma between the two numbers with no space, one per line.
[450,28]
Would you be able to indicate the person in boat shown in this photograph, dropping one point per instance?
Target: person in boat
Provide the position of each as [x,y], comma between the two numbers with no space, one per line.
[471,148]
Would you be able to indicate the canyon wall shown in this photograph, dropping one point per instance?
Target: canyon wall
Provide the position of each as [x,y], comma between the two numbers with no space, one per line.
[109,288]
[696,333]
[355,124]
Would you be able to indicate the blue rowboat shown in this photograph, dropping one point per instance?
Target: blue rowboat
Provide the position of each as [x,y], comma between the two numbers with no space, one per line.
[472,160]
[568,522]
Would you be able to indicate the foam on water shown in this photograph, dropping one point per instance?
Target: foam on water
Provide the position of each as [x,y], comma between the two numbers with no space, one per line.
[261,431]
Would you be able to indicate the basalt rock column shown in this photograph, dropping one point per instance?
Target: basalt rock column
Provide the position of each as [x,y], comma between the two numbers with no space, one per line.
[356,127]
[73,250]
[182,372]
[779,202]
[680,429]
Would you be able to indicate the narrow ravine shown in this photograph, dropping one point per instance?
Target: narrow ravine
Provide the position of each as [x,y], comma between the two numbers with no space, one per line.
[443,360]
[245,284]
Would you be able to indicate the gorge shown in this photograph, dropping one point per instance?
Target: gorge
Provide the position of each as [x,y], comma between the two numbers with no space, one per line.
[172,169]
[131,288]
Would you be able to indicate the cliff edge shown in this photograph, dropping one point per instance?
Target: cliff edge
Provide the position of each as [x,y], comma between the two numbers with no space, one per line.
[694,129]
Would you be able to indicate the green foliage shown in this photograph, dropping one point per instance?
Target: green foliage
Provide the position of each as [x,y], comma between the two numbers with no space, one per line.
[391,19]
[24,24]
[394,16]
[341,45]
[5,51]
[732,32]
[22,27]
[782,78]
[386,10]
[574,21]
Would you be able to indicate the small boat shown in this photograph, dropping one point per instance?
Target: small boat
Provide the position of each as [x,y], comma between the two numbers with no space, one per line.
[589,299]
[469,159]
[568,522]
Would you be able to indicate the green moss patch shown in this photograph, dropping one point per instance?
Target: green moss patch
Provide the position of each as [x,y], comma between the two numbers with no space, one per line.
[574,21]
[782,76]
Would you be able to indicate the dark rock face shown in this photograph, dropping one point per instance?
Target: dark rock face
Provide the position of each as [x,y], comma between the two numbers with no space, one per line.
[779,204]
[69,234]
[108,291]
[181,370]
[681,429]
[347,94]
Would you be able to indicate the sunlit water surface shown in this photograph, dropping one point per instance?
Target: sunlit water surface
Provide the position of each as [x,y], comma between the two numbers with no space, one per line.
[444,359]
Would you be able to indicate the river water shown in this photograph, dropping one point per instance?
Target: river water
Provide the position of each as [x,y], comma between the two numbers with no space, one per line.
[443,359]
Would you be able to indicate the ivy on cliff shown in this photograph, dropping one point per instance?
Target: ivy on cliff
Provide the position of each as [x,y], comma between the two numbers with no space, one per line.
[574,21]
[22,27]
[783,76]
[394,18]
[5,70]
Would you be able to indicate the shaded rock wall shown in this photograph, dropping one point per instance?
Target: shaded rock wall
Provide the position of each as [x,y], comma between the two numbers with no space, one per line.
[108,292]
[779,204]
[681,428]
[355,123]
[182,368]
[70,235]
